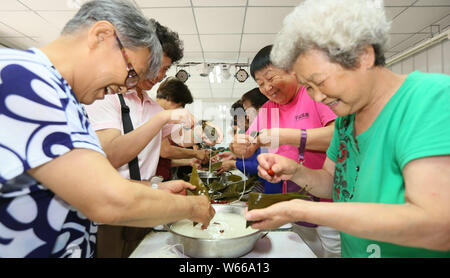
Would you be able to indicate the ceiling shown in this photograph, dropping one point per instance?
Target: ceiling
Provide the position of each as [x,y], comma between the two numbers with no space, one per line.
[215,31]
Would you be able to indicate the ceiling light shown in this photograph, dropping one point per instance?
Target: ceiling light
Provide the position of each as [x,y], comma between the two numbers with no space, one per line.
[241,75]
[206,70]
[182,75]
[211,77]
[226,71]
[218,74]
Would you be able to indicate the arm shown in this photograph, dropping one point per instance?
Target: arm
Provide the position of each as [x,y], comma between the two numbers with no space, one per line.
[96,189]
[121,149]
[422,221]
[174,152]
[317,139]
[182,162]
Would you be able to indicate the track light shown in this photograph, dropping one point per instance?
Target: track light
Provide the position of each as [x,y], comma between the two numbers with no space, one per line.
[182,75]
[241,75]
[207,69]
[226,71]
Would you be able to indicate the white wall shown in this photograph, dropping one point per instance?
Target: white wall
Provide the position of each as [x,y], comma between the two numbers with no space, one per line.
[433,59]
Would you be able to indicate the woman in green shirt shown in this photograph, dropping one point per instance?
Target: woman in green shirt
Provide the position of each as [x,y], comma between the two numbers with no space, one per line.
[388,165]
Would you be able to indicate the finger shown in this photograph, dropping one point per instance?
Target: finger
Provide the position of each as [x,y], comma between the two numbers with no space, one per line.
[263,161]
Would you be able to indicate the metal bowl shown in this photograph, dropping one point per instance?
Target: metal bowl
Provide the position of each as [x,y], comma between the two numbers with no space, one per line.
[217,248]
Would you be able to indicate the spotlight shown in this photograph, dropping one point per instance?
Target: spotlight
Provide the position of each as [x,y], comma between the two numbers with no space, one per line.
[206,70]
[182,75]
[241,75]
[226,71]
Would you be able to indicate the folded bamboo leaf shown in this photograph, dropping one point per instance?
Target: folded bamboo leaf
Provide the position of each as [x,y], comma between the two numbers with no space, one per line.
[234,178]
[200,188]
[217,185]
[209,131]
[261,200]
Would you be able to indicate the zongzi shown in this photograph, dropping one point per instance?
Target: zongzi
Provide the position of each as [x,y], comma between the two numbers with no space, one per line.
[261,200]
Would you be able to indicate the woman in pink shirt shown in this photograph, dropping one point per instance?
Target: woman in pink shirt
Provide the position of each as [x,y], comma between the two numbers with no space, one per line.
[293,125]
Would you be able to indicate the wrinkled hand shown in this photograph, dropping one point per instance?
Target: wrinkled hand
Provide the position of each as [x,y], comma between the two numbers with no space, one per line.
[283,168]
[195,162]
[180,116]
[217,138]
[202,211]
[176,186]
[243,145]
[227,165]
[276,215]
[223,156]
[203,155]
[269,138]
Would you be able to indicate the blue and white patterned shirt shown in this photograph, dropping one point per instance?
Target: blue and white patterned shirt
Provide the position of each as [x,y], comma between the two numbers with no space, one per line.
[40,119]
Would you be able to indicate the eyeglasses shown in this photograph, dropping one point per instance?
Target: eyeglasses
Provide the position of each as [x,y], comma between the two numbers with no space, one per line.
[132,78]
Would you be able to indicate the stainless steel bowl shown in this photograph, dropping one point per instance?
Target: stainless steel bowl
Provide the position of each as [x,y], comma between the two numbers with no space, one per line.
[217,248]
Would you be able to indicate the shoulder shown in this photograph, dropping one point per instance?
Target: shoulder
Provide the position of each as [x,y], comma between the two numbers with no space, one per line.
[430,82]
[28,70]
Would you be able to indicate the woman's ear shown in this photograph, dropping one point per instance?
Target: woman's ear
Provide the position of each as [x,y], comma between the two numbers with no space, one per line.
[99,33]
[367,57]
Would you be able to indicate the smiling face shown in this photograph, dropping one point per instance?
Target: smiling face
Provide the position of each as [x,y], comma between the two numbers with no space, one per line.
[103,65]
[276,84]
[345,91]
[147,84]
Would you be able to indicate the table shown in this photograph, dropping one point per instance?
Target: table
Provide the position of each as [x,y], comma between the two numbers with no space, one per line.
[277,244]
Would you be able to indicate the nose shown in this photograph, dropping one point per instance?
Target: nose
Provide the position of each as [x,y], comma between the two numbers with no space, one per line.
[265,89]
[317,95]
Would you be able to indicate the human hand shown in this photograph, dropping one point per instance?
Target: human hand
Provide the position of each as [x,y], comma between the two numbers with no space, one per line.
[212,134]
[223,156]
[269,137]
[274,167]
[180,116]
[203,155]
[243,145]
[202,211]
[176,186]
[227,165]
[275,215]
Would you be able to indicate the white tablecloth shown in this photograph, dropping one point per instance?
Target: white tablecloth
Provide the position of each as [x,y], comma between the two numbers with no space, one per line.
[277,244]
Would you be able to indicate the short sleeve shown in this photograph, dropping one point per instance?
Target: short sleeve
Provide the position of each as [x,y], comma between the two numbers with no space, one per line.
[425,130]
[40,119]
[105,113]
[333,149]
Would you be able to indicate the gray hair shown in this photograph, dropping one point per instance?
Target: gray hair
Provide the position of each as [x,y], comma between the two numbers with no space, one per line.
[133,29]
[339,28]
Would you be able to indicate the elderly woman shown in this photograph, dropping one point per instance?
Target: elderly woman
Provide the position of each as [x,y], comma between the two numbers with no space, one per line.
[387,167]
[295,126]
[54,177]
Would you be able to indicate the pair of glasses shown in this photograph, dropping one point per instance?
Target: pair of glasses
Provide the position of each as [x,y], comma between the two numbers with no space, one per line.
[132,78]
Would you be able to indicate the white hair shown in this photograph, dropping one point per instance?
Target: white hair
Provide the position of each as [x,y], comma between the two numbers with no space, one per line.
[133,28]
[340,28]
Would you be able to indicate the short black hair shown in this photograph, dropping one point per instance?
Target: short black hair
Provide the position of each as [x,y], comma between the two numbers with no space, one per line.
[256,98]
[237,110]
[172,89]
[171,44]
[261,60]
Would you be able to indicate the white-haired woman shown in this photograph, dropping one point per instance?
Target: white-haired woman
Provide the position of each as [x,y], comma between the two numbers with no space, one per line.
[54,177]
[388,165]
